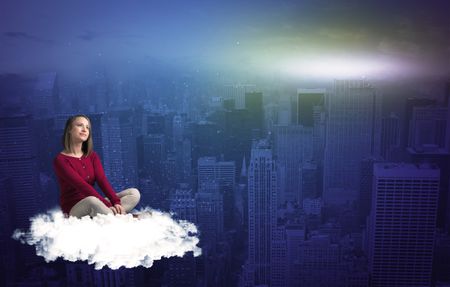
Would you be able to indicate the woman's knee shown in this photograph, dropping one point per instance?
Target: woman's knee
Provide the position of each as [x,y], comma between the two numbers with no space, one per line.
[135,192]
[92,200]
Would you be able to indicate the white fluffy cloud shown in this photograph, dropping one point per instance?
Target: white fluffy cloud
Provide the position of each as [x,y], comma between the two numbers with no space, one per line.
[108,240]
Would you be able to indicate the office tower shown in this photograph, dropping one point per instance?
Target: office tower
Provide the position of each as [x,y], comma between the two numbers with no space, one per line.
[18,162]
[410,104]
[390,136]
[309,180]
[402,224]
[292,146]
[278,266]
[207,139]
[7,260]
[151,153]
[119,149]
[319,262]
[428,127]
[19,173]
[169,171]
[429,143]
[262,198]
[295,236]
[241,197]
[307,101]
[365,188]
[182,271]
[181,146]
[255,110]
[44,101]
[441,263]
[209,202]
[319,134]
[237,136]
[352,134]
[236,93]
[223,173]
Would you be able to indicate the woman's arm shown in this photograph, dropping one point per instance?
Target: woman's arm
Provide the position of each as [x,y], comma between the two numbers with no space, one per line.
[66,172]
[102,181]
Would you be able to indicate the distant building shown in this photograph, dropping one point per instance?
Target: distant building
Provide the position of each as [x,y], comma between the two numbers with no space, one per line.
[390,136]
[262,194]
[352,134]
[307,100]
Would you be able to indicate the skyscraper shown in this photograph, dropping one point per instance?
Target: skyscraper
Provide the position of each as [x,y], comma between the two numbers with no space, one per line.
[307,99]
[222,173]
[45,96]
[262,198]
[254,106]
[119,145]
[352,134]
[402,224]
[293,145]
[390,136]
[428,127]
[237,92]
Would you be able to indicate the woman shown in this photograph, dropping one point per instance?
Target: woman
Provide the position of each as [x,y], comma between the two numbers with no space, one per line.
[78,167]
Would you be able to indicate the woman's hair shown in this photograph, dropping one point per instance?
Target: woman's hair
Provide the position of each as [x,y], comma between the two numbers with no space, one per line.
[66,140]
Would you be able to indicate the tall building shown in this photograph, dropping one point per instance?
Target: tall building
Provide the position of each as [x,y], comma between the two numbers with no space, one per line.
[209,202]
[352,134]
[319,263]
[262,198]
[309,180]
[295,236]
[428,127]
[307,99]
[18,162]
[254,107]
[402,224]
[365,188]
[390,136]
[293,145]
[182,271]
[207,139]
[222,173]
[430,143]
[278,267]
[151,151]
[45,97]
[410,104]
[236,93]
[19,174]
[119,149]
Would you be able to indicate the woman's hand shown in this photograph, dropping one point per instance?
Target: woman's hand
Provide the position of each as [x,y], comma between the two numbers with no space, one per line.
[117,209]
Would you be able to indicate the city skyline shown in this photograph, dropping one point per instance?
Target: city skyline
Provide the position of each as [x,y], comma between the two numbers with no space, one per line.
[308,141]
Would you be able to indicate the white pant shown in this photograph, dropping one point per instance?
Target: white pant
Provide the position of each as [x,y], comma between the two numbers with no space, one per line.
[91,205]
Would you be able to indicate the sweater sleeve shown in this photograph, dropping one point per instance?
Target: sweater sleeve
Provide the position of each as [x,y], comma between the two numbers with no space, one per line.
[66,172]
[102,181]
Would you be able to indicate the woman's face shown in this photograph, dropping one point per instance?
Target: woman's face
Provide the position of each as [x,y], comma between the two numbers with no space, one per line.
[80,130]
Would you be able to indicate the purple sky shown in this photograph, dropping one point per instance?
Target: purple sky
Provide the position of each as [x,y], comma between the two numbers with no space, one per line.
[253,36]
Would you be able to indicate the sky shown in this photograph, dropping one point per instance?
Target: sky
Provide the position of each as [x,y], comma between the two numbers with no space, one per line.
[287,37]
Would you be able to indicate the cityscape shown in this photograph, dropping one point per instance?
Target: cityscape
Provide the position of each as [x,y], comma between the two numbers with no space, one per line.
[293,177]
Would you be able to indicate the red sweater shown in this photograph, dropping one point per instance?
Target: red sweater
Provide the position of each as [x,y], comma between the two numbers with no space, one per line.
[76,178]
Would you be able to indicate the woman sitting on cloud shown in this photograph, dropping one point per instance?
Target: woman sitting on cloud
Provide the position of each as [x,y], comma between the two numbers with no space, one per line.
[78,167]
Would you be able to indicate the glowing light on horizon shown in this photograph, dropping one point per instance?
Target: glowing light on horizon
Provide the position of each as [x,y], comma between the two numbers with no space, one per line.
[337,68]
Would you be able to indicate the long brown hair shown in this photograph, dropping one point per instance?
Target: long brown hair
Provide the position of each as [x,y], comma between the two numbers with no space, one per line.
[87,145]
